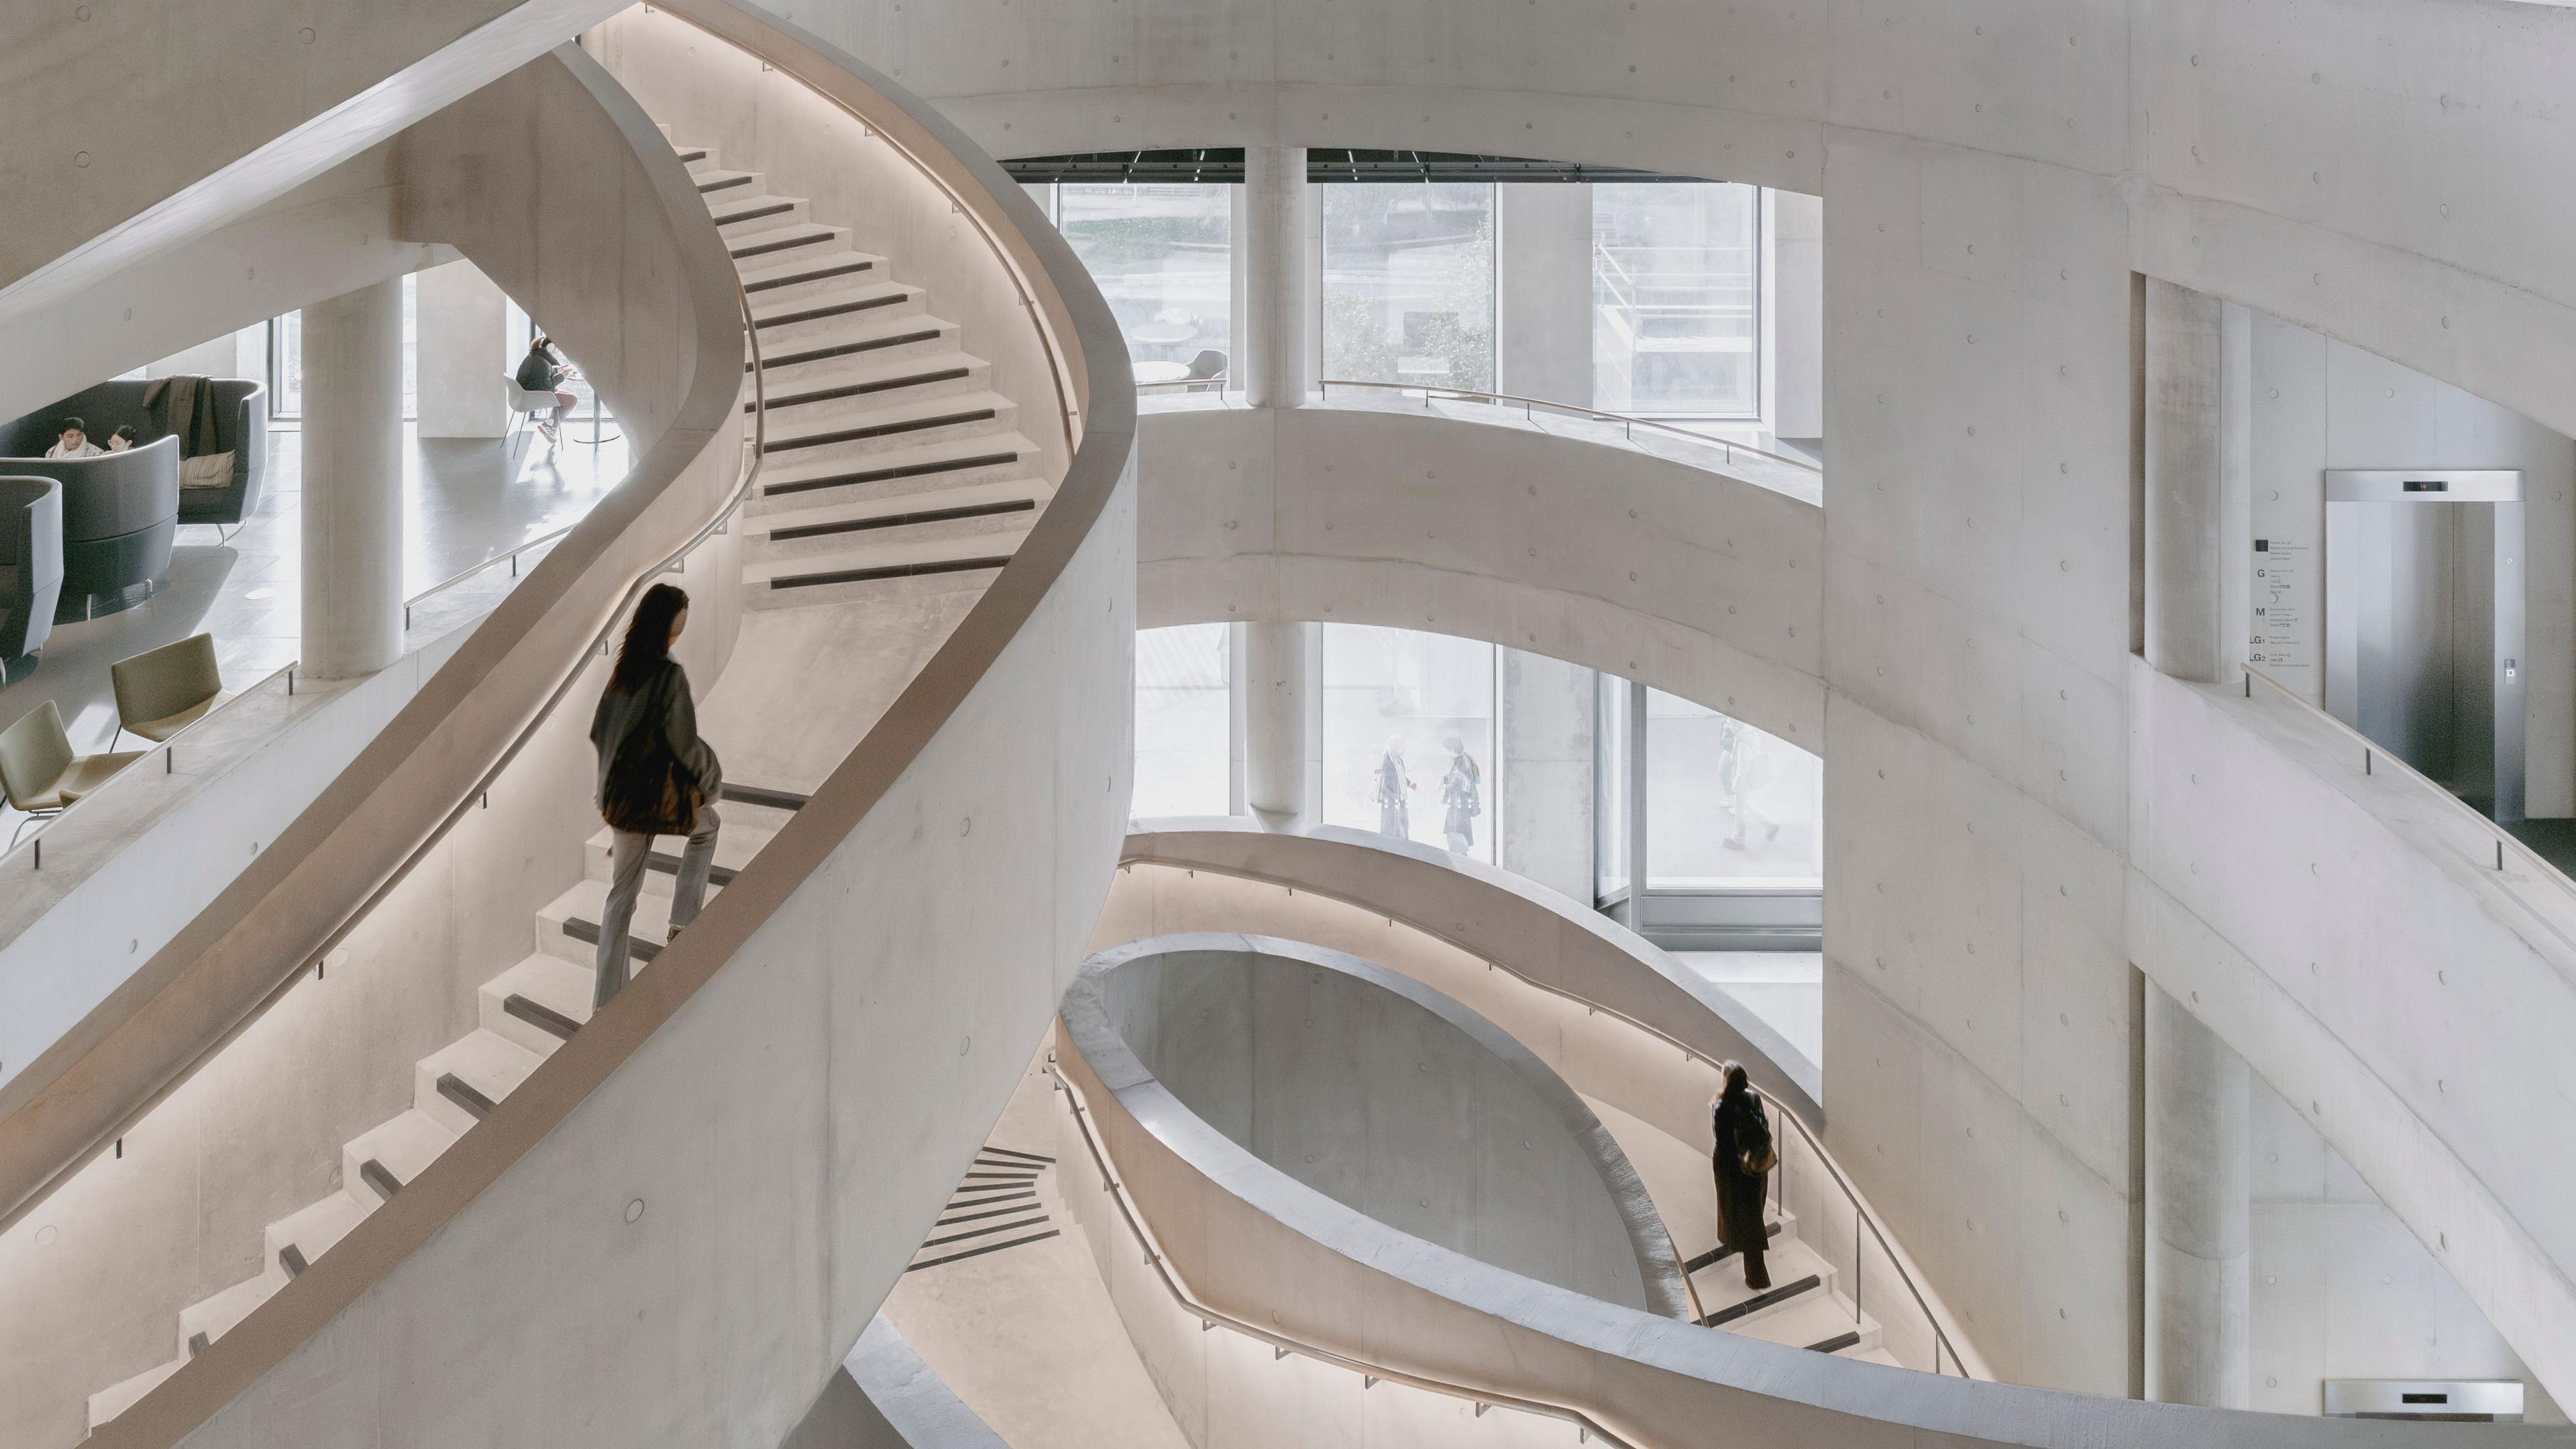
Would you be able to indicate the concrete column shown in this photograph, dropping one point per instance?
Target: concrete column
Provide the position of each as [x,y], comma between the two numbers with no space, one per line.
[1543,287]
[2185,461]
[1275,770]
[352,498]
[461,326]
[1279,303]
[1543,792]
[2197,1212]
[1798,312]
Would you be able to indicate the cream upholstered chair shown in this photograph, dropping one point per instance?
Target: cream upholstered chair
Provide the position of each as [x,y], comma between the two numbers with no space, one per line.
[162,691]
[38,771]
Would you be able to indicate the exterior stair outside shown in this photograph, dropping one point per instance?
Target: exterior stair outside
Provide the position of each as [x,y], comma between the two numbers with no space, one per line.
[890,470]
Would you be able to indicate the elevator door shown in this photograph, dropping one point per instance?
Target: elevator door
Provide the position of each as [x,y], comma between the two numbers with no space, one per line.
[2424,624]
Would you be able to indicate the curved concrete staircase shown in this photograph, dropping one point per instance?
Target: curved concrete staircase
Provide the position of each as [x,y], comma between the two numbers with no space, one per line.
[892,489]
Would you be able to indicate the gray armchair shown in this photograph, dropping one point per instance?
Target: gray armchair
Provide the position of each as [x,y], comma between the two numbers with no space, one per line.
[31,569]
[241,426]
[120,517]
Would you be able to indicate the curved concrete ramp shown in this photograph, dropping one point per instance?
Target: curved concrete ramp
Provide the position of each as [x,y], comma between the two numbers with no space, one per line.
[885,1397]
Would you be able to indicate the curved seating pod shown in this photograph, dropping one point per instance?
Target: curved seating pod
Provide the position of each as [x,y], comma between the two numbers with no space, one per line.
[31,569]
[1394,1100]
[241,429]
[736,1223]
[120,517]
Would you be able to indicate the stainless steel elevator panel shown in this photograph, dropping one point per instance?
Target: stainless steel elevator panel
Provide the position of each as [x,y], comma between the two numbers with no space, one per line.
[2424,623]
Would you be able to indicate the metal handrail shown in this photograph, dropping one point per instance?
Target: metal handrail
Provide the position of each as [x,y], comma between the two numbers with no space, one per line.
[1529,407]
[1282,1344]
[2373,753]
[509,556]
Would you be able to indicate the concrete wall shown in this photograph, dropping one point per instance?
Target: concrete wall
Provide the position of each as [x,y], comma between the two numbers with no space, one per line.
[461,349]
[2342,1290]
[1544,788]
[1323,1066]
[140,128]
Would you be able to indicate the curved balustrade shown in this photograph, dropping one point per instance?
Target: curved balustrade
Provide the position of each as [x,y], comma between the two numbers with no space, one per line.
[855,950]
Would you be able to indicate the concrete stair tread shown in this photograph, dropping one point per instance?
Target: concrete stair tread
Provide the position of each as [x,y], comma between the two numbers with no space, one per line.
[1812,1317]
[785,241]
[788,430]
[915,466]
[861,288]
[315,1230]
[897,505]
[717,181]
[1872,1355]
[406,1146]
[746,829]
[1001,542]
[488,1063]
[214,1317]
[1721,1284]
[739,216]
[867,370]
[549,981]
[651,924]
[804,260]
[107,1403]
[828,340]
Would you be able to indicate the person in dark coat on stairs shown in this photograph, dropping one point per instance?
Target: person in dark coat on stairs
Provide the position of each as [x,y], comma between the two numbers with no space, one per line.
[656,777]
[1742,1155]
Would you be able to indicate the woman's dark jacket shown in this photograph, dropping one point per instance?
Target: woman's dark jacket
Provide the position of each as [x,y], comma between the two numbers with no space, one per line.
[1739,1193]
[662,703]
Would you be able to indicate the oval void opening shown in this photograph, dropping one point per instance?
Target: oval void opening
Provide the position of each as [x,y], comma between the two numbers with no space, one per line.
[1395,1101]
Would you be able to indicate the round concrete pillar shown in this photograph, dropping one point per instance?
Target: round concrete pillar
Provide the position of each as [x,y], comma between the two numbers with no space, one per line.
[1274,734]
[2197,1212]
[352,482]
[1275,282]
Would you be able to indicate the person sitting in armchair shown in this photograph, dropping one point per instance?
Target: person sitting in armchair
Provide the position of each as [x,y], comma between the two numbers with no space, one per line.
[74,442]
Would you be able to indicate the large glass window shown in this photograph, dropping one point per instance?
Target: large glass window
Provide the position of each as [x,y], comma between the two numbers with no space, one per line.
[286,357]
[1676,298]
[1409,734]
[1163,254]
[1409,284]
[1726,804]
[1184,722]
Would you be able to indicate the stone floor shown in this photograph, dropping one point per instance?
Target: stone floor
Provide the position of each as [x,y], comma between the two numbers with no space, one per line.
[465,500]
[1784,988]
[1028,1337]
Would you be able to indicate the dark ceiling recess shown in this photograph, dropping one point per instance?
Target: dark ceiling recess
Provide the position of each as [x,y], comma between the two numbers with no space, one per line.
[1225,164]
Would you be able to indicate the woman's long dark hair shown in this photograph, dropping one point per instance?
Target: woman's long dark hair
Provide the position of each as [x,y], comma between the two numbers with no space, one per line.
[648,636]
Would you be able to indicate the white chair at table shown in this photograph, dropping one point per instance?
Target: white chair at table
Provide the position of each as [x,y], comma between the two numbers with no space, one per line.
[524,405]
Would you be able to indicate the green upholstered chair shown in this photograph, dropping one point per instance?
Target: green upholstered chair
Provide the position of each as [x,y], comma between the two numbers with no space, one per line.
[38,771]
[163,691]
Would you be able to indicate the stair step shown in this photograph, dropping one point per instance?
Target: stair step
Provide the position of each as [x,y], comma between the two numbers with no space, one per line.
[462,1081]
[719,185]
[1807,1319]
[893,425]
[1770,1297]
[539,1002]
[776,279]
[107,1403]
[745,832]
[790,323]
[1721,1284]
[377,1163]
[740,216]
[1717,1255]
[789,482]
[569,925]
[765,796]
[208,1319]
[1848,1338]
[852,520]
[796,581]
[304,1236]
[780,242]
[783,360]
[867,380]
